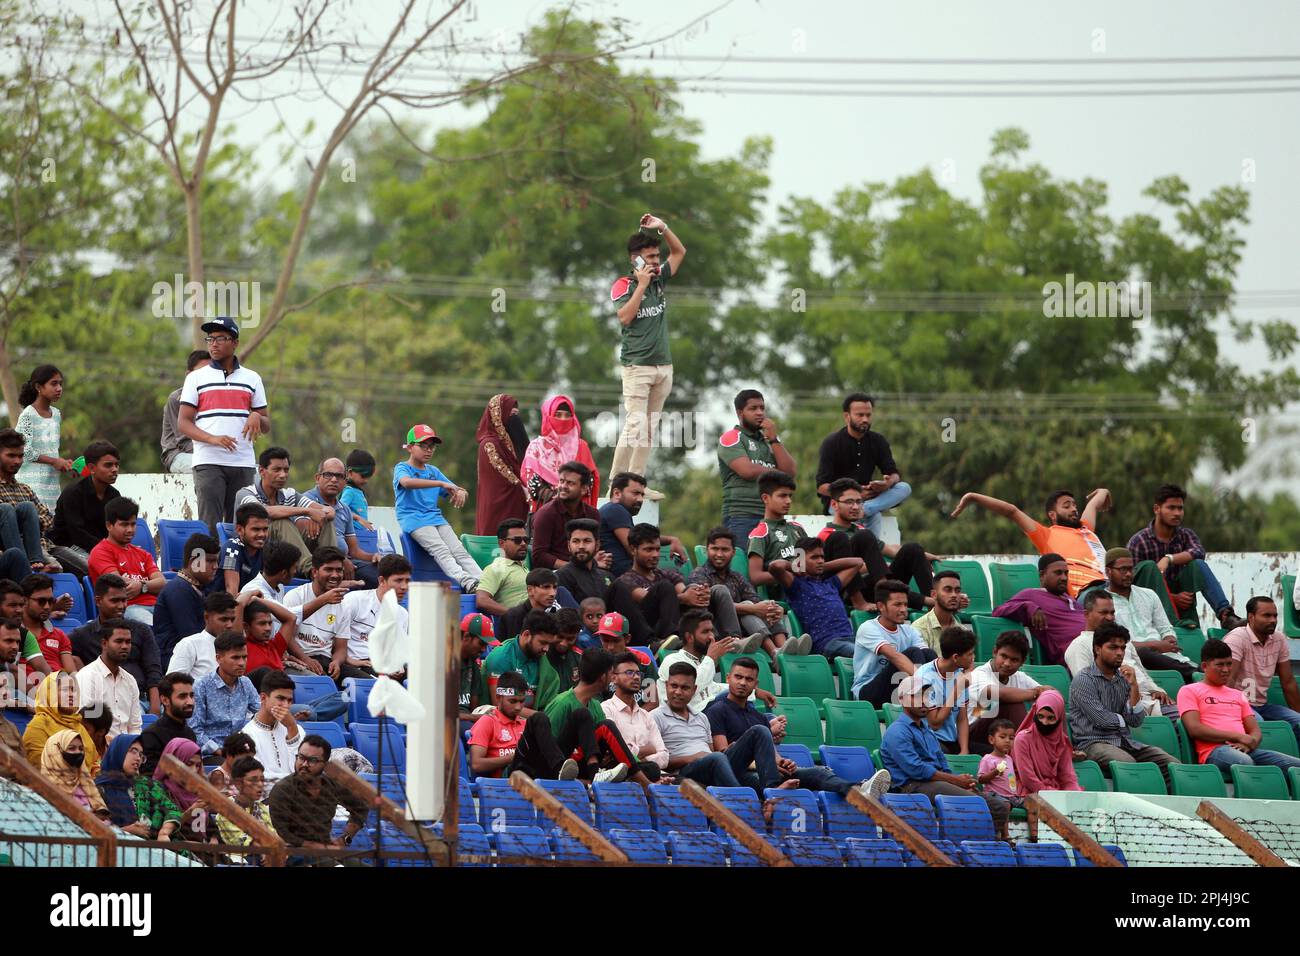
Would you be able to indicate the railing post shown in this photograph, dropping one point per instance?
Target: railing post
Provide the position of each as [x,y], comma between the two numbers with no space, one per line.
[1238,836]
[388,810]
[31,778]
[898,828]
[1093,852]
[261,835]
[735,826]
[566,819]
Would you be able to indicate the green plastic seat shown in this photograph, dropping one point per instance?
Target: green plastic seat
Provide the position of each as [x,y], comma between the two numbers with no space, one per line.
[1259,783]
[1294,774]
[483,548]
[1090,776]
[987,628]
[666,561]
[1197,780]
[973,583]
[1290,618]
[1171,682]
[1275,695]
[1011,579]
[1053,675]
[1214,632]
[892,713]
[964,763]
[765,679]
[852,723]
[1137,778]
[1158,731]
[861,617]
[1190,640]
[803,722]
[844,672]
[1278,737]
[875,758]
[1187,751]
[808,676]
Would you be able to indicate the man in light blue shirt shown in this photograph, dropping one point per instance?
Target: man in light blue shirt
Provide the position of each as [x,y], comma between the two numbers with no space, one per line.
[225,699]
[945,680]
[887,646]
[329,485]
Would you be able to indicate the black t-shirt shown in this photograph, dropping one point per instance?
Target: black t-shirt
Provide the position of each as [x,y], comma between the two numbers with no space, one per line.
[843,456]
[583,583]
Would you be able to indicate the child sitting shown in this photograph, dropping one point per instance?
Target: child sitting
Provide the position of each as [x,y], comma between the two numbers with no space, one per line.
[814,594]
[592,609]
[997,771]
[417,486]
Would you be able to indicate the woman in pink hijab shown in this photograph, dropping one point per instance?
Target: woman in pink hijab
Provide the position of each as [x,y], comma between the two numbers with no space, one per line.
[1042,753]
[560,442]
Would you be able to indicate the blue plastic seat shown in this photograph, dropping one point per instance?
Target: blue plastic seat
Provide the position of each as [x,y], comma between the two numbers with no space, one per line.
[860,852]
[743,803]
[916,810]
[466,811]
[987,852]
[367,539]
[501,805]
[423,567]
[466,773]
[850,763]
[800,754]
[1042,854]
[1111,848]
[518,842]
[308,687]
[91,607]
[144,538]
[327,729]
[697,848]
[147,719]
[813,851]
[471,842]
[569,849]
[641,845]
[796,813]
[358,691]
[946,847]
[225,531]
[621,806]
[81,610]
[673,812]
[365,739]
[964,818]
[173,535]
[842,819]
[18,717]
[572,794]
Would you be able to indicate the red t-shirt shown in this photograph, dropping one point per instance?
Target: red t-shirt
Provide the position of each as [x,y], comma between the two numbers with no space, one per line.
[496,735]
[267,653]
[134,564]
[54,642]
[1220,708]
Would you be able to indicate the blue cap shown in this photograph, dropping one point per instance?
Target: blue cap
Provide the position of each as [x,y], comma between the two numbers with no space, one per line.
[222,323]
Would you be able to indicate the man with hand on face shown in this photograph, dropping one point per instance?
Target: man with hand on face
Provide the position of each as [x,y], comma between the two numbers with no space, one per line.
[1099,609]
[1054,617]
[703,650]
[855,451]
[275,733]
[323,624]
[1139,609]
[358,564]
[587,573]
[177,691]
[744,454]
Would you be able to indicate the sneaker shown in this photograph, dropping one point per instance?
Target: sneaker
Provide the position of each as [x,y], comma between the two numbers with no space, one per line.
[800,646]
[877,786]
[652,494]
[750,645]
[612,775]
[1229,621]
[470,588]
[671,643]
[569,770]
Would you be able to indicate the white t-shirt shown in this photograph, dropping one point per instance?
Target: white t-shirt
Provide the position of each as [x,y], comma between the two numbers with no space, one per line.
[275,751]
[316,634]
[222,405]
[195,655]
[981,691]
[361,614]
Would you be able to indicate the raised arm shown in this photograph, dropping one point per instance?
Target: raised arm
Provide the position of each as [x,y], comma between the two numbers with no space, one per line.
[1098,501]
[999,507]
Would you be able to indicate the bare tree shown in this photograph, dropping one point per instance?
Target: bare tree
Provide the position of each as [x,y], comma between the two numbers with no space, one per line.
[192,65]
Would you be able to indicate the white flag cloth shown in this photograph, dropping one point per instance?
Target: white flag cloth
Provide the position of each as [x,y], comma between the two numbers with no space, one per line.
[389,653]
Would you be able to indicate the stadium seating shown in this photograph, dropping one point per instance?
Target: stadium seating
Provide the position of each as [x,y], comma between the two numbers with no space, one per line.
[1137,778]
[697,848]
[743,803]
[916,809]
[1111,848]
[147,719]
[987,852]
[1190,640]
[82,610]
[842,819]
[803,721]
[1010,579]
[423,567]
[1171,682]
[501,805]
[358,691]
[1042,854]
[964,818]
[1278,736]
[641,846]
[1259,783]
[527,842]
[1290,619]
[973,583]
[569,849]
[225,531]
[466,773]
[851,763]
[1196,780]
[1158,731]
[964,763]
[891,712]
[325,728]
[1053,675]
[813,851]
[765,679]
[860,852]
[852,723]
[739,560]
[1294,774]
[796,812]
[144,538]
[1275,695]
[808,676]
[473,842]
[571,793]
[483,548]
[18,717]
[622,806]
[987,628]
[365,739]
[173,535]
[844,676]
[800,754]
[673,812]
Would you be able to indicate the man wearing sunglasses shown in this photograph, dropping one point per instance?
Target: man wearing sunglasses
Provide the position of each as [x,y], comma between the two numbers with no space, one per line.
[503,584]
[223,409]
[54,644]
[359,564]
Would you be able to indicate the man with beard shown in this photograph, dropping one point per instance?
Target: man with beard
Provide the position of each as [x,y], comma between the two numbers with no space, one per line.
[947,596]
[748,618]
[303,804]
[703,650]
[177,692]
[104,682]
[10,643]
[550,542]
[846,536]
[526,654]
[744,454]
[561,655]
[29,516]
[1139,609]
[587,573]
[1099,609]
[292,518]
[855,451]
[1052,614]
[626,492]
[634,723]
[323,627]
[1067,532]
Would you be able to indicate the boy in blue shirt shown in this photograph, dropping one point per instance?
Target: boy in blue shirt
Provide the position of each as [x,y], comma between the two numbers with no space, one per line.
[946,679]
[417,486]
[813,588]
[359,469]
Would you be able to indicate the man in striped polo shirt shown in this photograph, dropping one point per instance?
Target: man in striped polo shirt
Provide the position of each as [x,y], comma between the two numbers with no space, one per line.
[223,408]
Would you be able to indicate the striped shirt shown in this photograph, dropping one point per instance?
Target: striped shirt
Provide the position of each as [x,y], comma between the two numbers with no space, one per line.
[222,404]
[1099,709]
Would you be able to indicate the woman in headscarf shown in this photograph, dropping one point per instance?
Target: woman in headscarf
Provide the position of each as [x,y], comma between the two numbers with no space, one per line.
[194,811]
[63,763]
[502,442]
[560,442]
[58,708]
[1042,753]
[137,804]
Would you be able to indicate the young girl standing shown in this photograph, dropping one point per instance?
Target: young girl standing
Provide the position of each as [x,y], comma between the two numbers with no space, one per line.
[40,423]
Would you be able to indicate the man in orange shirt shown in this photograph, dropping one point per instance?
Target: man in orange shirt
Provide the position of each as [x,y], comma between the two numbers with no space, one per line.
[1067,533]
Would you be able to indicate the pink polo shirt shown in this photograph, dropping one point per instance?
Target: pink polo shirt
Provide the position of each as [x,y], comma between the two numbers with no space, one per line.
[1259,660]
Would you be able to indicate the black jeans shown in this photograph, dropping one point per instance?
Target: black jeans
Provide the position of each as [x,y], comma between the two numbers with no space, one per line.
[541,752]
[908,564]
[215,487]
[1153,660]
[879,690]
[651,619]
[346,670]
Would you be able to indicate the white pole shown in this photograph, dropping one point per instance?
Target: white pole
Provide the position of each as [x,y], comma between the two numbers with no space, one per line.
[426,678]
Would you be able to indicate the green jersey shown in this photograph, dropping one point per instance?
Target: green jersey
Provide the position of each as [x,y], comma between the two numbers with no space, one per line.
[511,657]
[558,711]
[774,539]
[740,495]
[645,338]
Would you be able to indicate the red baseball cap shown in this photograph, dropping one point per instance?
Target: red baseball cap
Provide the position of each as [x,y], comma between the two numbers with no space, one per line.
[612,624]
[419,433]
[478,625]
